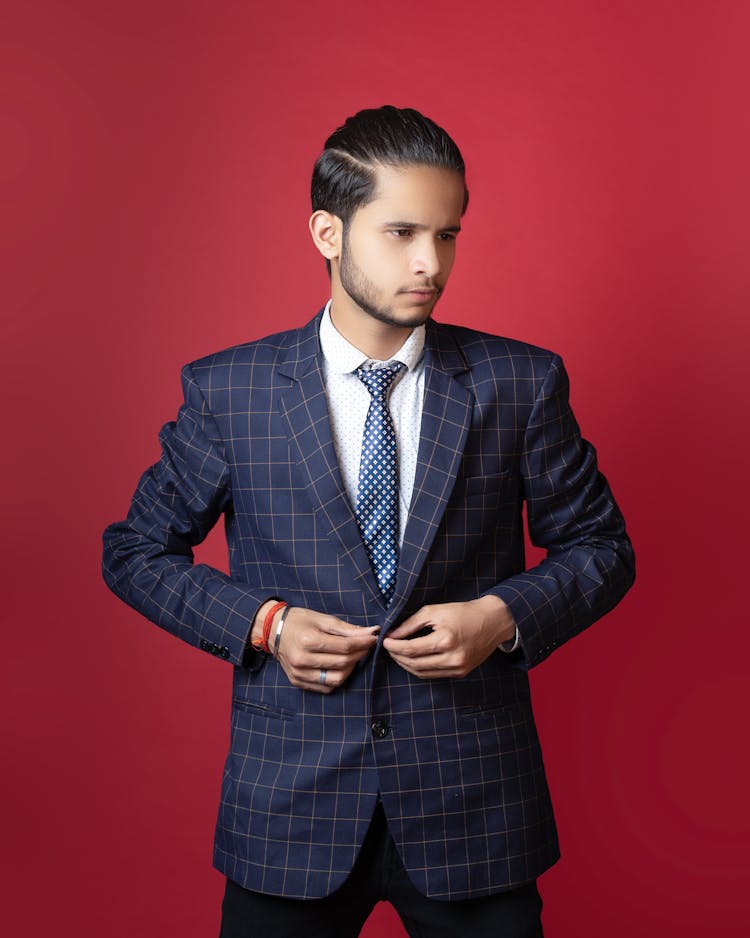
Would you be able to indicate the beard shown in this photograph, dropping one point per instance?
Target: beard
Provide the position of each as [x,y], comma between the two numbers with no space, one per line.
[365,294]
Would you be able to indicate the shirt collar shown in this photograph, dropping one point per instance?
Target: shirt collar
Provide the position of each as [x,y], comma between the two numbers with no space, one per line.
[343,357]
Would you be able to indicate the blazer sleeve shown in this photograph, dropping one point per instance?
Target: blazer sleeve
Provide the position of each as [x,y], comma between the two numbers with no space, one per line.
[148,557]
[572,514]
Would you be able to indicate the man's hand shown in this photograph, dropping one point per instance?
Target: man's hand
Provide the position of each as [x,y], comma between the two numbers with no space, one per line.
[460,637]
[312,643]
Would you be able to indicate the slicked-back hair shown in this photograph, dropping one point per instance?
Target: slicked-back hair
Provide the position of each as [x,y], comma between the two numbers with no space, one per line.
[344,176]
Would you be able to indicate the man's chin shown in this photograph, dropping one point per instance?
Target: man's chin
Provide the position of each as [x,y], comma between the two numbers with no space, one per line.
[419,315]
[410,319]
[405,318]
[412,314]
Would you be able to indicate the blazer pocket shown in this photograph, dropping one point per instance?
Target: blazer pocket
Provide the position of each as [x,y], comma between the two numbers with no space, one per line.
[510,712]
[256,708]
[479,487]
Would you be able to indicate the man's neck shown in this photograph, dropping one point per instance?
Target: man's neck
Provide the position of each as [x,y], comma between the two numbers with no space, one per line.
[377,340]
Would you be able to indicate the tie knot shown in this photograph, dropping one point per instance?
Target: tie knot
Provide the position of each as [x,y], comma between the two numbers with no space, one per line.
[378,380]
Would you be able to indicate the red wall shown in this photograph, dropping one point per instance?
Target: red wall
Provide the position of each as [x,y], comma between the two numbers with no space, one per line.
[155,161]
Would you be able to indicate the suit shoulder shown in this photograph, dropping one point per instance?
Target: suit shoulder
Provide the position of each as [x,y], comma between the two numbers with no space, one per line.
[497,351]
[261,351]
[250,364]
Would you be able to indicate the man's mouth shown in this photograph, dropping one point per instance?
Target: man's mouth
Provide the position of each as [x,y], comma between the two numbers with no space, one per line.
[422,294]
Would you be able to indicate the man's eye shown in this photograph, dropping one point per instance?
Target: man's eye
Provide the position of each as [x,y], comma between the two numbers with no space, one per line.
[447,236]
[401,232]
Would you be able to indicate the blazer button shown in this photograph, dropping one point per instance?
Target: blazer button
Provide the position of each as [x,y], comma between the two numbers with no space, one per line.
[379,729]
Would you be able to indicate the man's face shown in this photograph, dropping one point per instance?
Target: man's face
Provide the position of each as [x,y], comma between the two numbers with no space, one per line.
[398,250]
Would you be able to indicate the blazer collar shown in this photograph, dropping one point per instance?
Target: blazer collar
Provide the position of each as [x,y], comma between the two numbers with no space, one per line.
[303,351]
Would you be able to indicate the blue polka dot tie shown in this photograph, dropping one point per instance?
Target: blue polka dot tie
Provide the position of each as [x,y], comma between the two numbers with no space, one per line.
[377,492]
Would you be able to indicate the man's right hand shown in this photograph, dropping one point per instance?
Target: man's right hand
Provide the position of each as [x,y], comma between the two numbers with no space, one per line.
[314,645]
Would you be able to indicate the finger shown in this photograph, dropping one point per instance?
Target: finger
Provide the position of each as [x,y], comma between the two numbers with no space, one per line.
[355,642]
[434,675]
[434,667]
[312,648]
[323,681]
[314,687]
[299,617]
[419,662]
[410,648]
[299,661]
[333,626]
[302,666]
[338,629]
[411,626]
[330,679]
[312,640]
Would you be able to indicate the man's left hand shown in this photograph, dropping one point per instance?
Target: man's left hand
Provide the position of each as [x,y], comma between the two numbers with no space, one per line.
[460,637]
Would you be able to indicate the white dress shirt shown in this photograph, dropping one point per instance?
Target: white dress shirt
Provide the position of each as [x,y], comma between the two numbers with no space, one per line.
[349,401]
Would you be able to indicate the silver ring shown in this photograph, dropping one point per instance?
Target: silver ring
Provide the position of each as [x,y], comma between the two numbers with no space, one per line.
[322,676]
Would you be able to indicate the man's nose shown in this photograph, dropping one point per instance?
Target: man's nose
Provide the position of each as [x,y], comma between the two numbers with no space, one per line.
[426,259]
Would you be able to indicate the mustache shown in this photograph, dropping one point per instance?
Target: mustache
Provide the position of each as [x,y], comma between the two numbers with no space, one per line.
[430,285]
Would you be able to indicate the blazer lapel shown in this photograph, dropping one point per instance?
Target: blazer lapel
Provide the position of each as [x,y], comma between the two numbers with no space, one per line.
[446,417]
[304,409]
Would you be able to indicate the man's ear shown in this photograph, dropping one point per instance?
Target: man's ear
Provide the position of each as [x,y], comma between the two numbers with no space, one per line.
[326,230]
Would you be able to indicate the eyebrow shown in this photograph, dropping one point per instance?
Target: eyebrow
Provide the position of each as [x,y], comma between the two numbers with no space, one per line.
[417,227]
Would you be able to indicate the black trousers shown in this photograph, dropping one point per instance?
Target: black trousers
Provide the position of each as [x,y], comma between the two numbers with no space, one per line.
[379,875]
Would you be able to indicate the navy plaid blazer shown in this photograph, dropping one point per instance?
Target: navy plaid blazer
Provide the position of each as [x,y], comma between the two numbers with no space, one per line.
[456,762]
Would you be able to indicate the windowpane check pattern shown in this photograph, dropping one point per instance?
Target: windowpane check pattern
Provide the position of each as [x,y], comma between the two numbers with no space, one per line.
[377,491]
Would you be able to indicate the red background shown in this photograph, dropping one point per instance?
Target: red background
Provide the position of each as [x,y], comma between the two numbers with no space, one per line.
[155,161]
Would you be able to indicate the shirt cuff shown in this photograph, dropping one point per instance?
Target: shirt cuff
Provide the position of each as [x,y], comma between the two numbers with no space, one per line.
[512,644]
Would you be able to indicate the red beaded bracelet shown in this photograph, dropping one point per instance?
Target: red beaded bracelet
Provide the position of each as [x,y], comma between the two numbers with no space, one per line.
[262,643]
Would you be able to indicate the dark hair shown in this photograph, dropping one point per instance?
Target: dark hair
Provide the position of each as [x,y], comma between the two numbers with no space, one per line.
[344,176]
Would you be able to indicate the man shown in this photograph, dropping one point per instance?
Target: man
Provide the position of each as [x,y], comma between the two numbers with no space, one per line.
[371,468]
